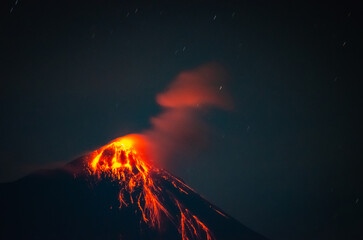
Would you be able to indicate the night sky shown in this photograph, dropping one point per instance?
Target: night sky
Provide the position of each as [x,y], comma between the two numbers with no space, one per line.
[286,161]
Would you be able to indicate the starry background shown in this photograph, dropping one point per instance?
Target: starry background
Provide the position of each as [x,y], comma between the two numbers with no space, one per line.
[286,162]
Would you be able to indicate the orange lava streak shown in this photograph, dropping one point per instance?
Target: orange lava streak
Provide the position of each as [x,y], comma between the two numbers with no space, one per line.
[191,227]
[124,160]
[208,233]
[221,213]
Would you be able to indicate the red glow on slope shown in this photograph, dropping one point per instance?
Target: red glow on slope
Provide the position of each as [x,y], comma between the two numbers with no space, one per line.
[123,161]
[191,227]
[127,160]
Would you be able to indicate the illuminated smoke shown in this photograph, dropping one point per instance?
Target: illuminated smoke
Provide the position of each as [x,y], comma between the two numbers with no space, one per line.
[127,160]
[180,125]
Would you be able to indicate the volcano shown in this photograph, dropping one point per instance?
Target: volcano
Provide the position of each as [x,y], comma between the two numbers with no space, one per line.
[114,192]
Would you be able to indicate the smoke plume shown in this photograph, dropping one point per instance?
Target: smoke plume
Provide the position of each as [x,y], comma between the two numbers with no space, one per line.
[180,126]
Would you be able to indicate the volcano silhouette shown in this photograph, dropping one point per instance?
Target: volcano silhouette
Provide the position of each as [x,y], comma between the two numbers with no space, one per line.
[72,203]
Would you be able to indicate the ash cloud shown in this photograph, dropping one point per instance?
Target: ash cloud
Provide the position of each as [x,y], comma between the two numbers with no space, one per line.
[180,126]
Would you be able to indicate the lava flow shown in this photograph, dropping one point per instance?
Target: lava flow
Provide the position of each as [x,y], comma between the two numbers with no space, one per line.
[124,162]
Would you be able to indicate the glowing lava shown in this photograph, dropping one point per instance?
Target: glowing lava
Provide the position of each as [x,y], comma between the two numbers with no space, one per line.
[124,161]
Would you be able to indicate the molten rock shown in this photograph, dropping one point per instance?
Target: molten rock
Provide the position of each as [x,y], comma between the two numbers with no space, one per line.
[112,193]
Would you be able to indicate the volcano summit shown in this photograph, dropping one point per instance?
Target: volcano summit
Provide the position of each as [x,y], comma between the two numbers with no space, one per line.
[112,193]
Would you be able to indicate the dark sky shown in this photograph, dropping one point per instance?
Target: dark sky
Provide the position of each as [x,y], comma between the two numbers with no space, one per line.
[286,162]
